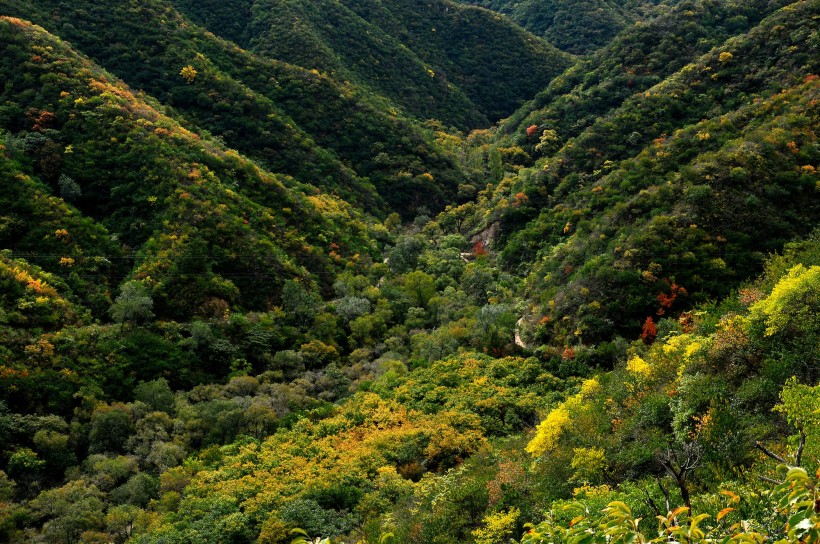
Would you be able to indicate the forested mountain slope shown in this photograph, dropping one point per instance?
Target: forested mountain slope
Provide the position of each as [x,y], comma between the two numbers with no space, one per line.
[230,309]
[436,59]
[576,26]
[294,121]
[688,183]
[202,222]
[641,56]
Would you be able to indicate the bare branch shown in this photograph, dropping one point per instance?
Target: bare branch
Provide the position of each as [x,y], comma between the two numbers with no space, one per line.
[679,463]
[669,469]
[770,480]
[770,453]
[693,455]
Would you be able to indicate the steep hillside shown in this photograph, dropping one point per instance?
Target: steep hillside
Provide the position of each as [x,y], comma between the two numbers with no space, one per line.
[332,39]
[228,20]
[439,60]
[643,199]
[638,58]
[576,26]
[292,120]
[496,64]
[202,222]
[214,329]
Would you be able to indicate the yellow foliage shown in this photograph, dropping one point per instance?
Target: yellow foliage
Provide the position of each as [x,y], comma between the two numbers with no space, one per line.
[589,463]
[691,349]
[498,527]
[725,57]
[683,345]
[589,491]
[550,430]
[589,387]
[794,302]
[637,365]
[702,424]
[354,447]
[41,349]
[188,74]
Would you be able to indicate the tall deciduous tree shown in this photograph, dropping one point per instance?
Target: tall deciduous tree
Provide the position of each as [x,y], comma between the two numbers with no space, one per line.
[419,288]
[133,305]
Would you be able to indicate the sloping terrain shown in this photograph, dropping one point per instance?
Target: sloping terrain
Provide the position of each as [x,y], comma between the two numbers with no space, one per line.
[438,59]
[171,199]
[293,120]
[642,164]
[638,58]
[231,312]
[576,26]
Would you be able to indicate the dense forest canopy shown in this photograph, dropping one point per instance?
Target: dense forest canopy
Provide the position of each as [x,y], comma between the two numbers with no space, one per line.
[415,272]
[576,26]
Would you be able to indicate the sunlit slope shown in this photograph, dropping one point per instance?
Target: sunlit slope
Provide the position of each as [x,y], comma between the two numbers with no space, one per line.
[198,222]
[292,120]
[688,183]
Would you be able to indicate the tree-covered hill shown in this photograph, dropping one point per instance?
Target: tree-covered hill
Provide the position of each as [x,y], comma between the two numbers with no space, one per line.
[455,63]
[232,310]
[639,57]
[295,121]
[576,26]
[128,191]
[687,183]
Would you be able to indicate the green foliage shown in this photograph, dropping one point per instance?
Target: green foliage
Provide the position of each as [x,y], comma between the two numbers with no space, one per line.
[24,465]
[207,345]
[419,288]
[659,414]
[160,217]
[638,58]
[133,305]
[794,499]
[321,129]
[639,229]
[110,427]
[801,407]
[429,60]
[139,490]
[315,519]
[574,26]
[69,511]
[156,394]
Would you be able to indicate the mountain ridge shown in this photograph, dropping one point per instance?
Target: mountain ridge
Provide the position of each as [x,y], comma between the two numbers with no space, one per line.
[245,300]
